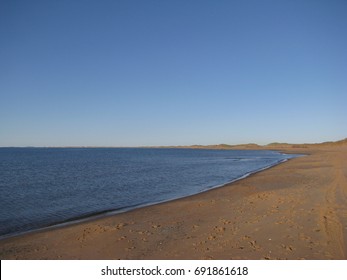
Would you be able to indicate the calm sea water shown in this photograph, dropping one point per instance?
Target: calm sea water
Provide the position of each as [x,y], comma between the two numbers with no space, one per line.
[40,187]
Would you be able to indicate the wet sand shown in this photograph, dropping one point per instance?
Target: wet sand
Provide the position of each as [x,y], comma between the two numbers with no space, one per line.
[295,210]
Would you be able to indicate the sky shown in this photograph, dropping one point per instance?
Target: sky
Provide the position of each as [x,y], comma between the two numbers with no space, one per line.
[147,73]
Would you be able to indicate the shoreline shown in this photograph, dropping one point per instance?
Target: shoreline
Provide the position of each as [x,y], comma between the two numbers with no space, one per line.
[112,212]
[294,210]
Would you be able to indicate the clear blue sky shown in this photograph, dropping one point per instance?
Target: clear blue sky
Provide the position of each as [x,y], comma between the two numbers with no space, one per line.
[130,73]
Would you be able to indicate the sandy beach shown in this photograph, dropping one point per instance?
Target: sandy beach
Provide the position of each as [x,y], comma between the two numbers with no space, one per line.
[295,210]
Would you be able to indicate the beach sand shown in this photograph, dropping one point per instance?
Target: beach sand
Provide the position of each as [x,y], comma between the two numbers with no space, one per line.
[295,210]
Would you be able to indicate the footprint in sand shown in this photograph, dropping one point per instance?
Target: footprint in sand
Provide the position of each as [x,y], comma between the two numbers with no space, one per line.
[156,226]
[225,221]
[121,225]
[246,237]
[287,247]
[212,237]
[142,232]
[219,229]
[254,245]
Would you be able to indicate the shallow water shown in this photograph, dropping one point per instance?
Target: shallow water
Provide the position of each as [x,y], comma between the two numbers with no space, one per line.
[45,186]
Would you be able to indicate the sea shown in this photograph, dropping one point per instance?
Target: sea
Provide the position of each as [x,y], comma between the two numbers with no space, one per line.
[43,187]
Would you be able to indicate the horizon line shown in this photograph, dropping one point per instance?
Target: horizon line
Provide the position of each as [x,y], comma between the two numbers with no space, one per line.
[173,146]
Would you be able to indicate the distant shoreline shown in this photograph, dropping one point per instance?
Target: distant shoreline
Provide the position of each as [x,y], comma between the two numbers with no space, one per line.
[250,146]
